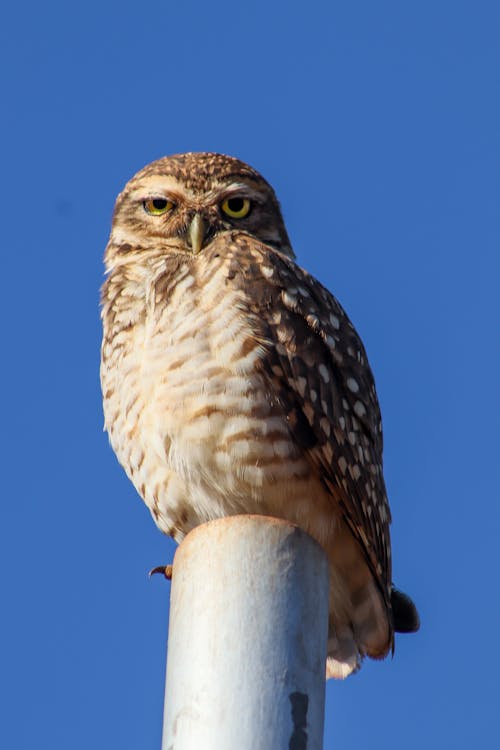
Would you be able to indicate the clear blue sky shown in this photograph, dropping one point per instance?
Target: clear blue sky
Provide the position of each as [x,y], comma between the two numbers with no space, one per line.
[378,124]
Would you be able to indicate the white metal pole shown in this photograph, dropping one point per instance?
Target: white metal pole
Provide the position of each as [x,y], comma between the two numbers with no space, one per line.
[247,638]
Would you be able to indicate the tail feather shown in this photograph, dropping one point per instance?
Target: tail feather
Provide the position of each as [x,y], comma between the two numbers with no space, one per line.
[404,613]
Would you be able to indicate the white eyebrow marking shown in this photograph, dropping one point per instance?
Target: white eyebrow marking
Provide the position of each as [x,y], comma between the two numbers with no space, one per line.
[242,189]
[168,186]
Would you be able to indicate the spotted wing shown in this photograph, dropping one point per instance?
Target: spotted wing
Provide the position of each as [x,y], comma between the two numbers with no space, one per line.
[317,369]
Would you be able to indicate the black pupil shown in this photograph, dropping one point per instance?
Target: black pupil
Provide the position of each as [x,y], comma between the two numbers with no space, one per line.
[235,204]
[159,204]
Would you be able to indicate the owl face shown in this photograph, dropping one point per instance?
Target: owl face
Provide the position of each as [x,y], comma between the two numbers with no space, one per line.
[181,203]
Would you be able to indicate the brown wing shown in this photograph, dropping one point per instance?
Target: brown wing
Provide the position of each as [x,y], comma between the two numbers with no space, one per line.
[317,369]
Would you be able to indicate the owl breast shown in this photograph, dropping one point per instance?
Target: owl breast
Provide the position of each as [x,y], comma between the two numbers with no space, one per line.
[187,410]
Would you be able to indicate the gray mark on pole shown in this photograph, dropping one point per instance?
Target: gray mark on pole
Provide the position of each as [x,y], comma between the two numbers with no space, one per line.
[300,702]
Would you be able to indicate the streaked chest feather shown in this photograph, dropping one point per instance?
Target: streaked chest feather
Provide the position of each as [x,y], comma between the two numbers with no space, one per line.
[187,411]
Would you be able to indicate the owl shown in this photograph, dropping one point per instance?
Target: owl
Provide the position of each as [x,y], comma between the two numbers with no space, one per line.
[235,383]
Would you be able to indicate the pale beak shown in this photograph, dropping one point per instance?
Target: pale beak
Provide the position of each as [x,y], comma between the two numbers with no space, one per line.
[196,233]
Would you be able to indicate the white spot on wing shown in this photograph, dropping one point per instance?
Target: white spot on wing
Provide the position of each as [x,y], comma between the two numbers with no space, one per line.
[352,385]
[267,271]
[289,299]
[330,342]
[323,371]
[334,321]
[359,409]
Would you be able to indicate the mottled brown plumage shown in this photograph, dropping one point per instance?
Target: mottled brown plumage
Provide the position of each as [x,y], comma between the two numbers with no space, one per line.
[234,382]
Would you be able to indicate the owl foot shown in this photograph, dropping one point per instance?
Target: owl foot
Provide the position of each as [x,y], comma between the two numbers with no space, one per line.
[165,570]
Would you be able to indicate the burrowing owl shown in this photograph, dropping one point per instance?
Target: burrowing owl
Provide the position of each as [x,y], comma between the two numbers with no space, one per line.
[234,382]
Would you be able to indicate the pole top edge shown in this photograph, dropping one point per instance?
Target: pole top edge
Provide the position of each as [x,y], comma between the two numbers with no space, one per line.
[243,524]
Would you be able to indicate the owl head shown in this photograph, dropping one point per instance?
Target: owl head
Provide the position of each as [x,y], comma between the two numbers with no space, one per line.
[181,203]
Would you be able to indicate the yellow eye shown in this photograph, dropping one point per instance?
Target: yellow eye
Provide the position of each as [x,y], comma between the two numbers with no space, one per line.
[157,206]
[236,208]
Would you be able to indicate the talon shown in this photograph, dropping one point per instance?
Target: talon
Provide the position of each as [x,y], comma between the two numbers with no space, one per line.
[165,570]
